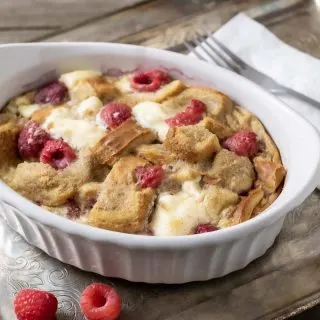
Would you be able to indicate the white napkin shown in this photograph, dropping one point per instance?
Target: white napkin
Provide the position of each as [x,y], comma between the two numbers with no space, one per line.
[262,50]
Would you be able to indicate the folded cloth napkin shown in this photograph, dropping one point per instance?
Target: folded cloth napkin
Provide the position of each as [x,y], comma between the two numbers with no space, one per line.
[262,50]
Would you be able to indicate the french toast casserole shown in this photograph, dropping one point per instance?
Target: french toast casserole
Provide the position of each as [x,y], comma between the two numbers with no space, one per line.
[140,153]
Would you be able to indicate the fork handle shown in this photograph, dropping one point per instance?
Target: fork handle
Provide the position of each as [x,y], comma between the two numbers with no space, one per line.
[290,92]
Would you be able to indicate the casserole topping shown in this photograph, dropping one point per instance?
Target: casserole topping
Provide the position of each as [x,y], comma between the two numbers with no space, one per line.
[141,153]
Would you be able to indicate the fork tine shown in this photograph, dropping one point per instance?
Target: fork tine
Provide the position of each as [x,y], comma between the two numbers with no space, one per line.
[192,49]
[231,55]
[213,58]
[230,64]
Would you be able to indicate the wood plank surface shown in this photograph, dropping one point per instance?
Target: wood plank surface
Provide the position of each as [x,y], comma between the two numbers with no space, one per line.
[156,13]
[173,35]
[59,15]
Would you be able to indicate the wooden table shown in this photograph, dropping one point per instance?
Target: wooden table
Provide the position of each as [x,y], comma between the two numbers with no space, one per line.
[166,24]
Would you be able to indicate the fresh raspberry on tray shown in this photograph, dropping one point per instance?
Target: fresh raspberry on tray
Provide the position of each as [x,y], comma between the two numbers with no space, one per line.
[100,302]
[32,304]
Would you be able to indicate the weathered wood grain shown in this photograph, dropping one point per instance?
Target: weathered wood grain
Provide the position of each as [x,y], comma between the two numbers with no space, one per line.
[137,19]
[173,35]
[11,36]
[58,13]
[300,30]
[164,24]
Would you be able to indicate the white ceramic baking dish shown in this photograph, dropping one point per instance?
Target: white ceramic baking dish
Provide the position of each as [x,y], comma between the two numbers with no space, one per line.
[145,258]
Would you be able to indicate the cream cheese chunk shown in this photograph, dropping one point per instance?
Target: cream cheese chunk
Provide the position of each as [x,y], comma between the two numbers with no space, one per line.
[152,115]
[89,108]
[180,213]
[63,123]
[70,79]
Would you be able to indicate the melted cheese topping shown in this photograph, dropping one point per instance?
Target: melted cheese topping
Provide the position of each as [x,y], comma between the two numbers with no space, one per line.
[124,84]
[89,108]
[70,79]
[79,132]
[180,213]
[152,115]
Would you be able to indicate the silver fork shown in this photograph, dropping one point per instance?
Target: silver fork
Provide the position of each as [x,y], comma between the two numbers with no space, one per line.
[223,57]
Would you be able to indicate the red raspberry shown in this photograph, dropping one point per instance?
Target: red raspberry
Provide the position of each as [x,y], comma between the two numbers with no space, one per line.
[74,210]
[113,114]
[32,304]
[57,153]
[203,228]
[197,107]
[54,93]
[100,302]
[149,80]
[31,140]
[192,115]
[243,143]
[149,177]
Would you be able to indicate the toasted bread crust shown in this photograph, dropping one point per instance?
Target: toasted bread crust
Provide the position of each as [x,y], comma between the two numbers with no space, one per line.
[155,153]
[231,171]
[247,205]
[270,174]
[121,141]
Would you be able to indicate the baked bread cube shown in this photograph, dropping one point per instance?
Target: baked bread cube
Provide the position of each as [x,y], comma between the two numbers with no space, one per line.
[123,171]
[9,133]
[231,171]
[94,86]
[122,205]
[122,208]
[216,200]
[41,183]
[155,153]
[191,143]
[7,117]
[221,130]
[87,195]
[120,141]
